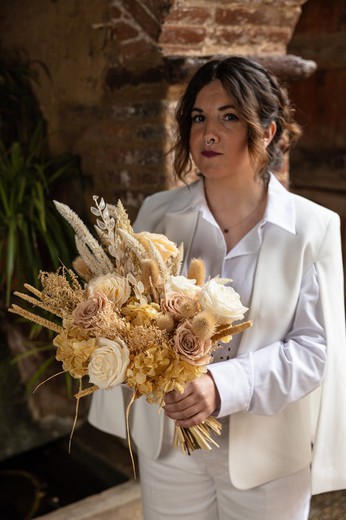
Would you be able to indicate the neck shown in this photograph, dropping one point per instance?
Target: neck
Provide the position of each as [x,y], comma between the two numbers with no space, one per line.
[242,195]
[236,206]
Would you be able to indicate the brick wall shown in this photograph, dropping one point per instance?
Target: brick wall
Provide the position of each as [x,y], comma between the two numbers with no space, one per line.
[319,161]
[144,80]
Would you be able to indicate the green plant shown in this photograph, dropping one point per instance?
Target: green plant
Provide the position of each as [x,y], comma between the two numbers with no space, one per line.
[32,235]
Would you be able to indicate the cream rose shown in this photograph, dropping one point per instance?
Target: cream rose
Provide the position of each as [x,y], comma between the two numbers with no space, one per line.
[189,347]
[116,288]
[165,247]
[182,285]
[108,363]
[86,311]
[221,301]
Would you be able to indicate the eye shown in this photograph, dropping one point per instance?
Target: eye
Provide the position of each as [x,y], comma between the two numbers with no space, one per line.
[230,117]
[197,118]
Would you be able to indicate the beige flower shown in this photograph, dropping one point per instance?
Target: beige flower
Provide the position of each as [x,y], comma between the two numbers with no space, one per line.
[182,285]
[191,348]
[178,305]
[165,247]
[86,311]
[221,301]
[116,288]
[74,353]
[108,363]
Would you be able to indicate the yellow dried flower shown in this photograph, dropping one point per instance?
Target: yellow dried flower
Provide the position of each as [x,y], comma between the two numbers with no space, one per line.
[141,337]
[165,322]
[197,271]
[159,370]
[188,308]
[74,353]
[82,269]
[150,274]
[59,294]
[140,314]
[203,325]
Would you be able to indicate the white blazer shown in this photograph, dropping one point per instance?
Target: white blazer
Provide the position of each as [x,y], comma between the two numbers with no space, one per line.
[311,430]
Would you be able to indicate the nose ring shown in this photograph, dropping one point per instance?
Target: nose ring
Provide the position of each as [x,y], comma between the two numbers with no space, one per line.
[210,142]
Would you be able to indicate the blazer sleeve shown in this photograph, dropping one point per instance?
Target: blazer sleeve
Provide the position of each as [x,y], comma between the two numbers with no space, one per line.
[329,447]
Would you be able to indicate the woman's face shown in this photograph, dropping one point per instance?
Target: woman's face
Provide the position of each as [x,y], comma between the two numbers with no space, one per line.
[214,117]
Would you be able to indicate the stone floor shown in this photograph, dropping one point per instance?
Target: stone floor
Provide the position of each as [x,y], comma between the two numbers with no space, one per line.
[123,502]
[329,506]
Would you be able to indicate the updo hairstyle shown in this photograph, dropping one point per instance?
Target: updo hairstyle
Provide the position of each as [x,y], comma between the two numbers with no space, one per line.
[258,99]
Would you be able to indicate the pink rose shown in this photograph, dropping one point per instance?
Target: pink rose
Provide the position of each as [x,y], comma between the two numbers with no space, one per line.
[189,347]
[179,306]
[86,311]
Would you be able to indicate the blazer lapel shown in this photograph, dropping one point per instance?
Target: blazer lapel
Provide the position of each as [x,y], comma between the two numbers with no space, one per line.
[272,302]
[180,228]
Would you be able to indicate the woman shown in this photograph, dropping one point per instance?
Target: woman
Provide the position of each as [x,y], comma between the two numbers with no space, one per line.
[281,429]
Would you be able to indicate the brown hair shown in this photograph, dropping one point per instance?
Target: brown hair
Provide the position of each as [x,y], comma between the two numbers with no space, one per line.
[259,100]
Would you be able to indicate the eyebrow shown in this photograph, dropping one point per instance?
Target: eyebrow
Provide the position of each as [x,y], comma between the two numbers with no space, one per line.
[220,109]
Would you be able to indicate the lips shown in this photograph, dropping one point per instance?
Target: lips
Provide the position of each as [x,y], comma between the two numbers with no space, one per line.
[210,153]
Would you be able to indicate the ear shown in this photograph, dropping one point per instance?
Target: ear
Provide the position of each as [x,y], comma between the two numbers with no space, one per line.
[268,134]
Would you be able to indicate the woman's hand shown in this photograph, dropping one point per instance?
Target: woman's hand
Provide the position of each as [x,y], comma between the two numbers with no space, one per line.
[199,400]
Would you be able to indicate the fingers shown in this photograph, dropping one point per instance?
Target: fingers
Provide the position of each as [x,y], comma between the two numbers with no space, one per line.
[195,404]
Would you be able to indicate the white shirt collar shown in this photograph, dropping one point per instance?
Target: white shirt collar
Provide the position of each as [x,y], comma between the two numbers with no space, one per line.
[280,207]
[279,211]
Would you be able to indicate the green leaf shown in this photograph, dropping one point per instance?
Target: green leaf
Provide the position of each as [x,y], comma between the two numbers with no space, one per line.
[10,256]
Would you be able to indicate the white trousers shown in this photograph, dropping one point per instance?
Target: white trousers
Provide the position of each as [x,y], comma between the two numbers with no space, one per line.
[198,487]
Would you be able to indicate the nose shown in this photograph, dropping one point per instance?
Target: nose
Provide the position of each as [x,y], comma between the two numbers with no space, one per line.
[210,138]
[210,133]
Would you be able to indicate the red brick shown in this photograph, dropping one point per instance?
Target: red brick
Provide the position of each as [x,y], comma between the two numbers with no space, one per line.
[266,15]
[144,19]
[114,12]
[182,35]
[158,8]
[251,35]
[136,50]
[188,15]
[124,31]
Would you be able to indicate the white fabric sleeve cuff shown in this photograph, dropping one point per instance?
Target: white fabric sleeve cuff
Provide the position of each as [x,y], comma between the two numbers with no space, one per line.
[234,380]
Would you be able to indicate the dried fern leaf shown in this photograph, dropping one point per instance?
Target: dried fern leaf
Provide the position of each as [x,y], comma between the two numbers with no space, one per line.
[82,231]
[122,219]
[37,303]
[155,255]
[33,290]
[96,266]
[15,309]
[133,244]
[177,262]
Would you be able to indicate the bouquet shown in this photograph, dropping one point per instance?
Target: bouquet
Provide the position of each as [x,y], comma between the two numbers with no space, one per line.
[127,316]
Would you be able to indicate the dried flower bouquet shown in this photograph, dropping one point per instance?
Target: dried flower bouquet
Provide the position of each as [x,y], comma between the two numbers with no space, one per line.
[127,316]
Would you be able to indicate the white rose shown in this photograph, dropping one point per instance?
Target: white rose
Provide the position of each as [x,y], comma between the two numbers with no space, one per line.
[116,288]
[108,363]
[221,301]
[182,285]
